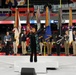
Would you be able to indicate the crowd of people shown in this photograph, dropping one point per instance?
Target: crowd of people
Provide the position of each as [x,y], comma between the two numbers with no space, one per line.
[36,44]
[15,3]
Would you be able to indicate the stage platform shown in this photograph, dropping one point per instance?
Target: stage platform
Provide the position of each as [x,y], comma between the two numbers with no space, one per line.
[67,64]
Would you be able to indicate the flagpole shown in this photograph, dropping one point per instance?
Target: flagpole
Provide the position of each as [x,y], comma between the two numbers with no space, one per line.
[17,27]
[28,5]
[28,22]
[38,18]
[60,3]
[60,17]
[47,21]
[70,16]
[70,26]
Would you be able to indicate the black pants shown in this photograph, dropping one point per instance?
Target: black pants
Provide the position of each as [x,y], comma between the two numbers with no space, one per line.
[58,49]
[8,49]
[33,51]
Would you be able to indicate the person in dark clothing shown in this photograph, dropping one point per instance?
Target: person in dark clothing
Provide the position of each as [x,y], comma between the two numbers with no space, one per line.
[34,45]
[58,43]
[15,3]
[8,3]
[23,43]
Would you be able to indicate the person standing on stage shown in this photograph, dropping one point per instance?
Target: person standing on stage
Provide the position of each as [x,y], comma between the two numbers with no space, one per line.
[49,45]
[34,44]
[40,33]
[66,42]
[23,43]
[15,47]
[58,44]
[7,40]
[74,43]
[41,44]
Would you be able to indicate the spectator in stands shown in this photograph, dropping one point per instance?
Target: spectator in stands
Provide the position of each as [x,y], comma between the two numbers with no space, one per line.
[74,43]
[9,3]
[15,3]
[23,43]
[7,40]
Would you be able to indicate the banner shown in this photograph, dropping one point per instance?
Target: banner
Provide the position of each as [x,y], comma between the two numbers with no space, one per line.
[48,32]
[17,27]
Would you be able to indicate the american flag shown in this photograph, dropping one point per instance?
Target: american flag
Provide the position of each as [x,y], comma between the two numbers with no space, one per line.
[38,18]
[17,27]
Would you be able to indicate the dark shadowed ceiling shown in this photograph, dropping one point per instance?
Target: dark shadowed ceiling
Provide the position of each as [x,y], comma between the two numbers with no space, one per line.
[49,1]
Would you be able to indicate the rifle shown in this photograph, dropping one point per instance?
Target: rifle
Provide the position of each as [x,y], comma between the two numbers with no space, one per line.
[48,37]
[58,41]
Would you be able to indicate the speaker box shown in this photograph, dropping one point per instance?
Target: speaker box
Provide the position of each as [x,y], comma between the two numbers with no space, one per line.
[28,71]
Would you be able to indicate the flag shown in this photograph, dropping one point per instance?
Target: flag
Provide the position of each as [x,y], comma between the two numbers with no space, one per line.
[17,27]
[70,26]
[48,32]
[19,24]
[70,36]
[38,18]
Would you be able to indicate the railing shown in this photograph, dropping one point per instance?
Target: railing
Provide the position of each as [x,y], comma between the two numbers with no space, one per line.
[5,10]
[22,11]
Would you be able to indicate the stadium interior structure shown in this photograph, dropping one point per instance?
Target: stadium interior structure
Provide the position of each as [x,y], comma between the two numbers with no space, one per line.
[7,16]
[55,18]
